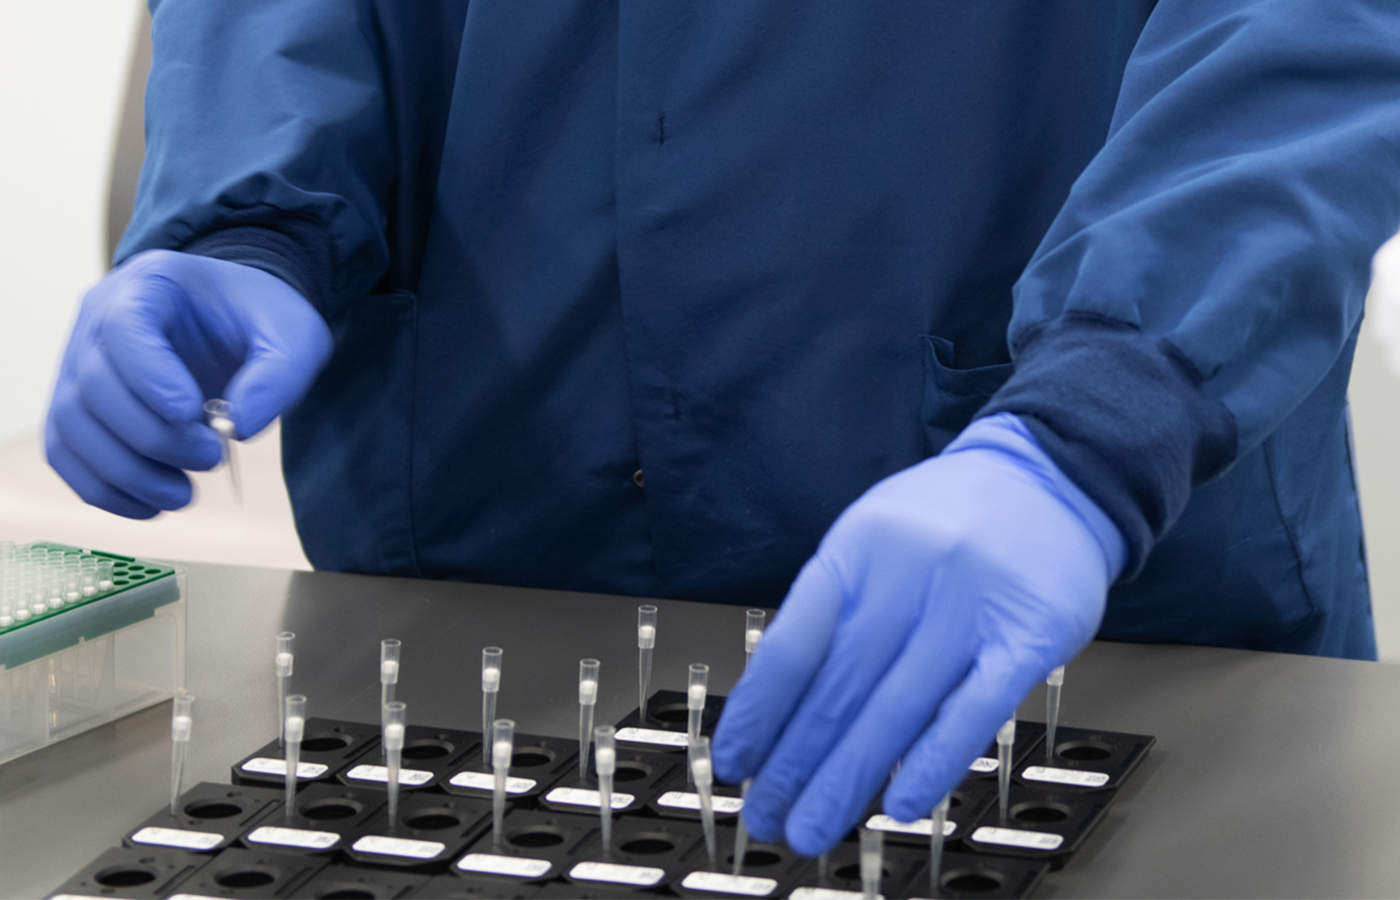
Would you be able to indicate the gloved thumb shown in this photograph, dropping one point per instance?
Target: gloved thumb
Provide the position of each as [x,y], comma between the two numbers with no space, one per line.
[281,364]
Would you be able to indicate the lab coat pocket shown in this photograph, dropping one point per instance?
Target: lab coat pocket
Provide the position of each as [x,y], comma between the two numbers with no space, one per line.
[953,396]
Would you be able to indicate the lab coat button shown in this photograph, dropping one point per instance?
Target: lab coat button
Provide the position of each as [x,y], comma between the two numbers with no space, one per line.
[637,478]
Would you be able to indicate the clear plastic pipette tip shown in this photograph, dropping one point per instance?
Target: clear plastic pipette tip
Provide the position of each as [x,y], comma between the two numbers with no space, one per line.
[646,644]
[502,751]
[935,844]
[605,758]
[703,773]
[490,686]
[395,723]
[293,728]
[219,415]
[390,654]
[872,861]
[741,834]
[181,728]
[1006,739]
[753,632]
[1053,685]
[587,700]
[282,665]
[695,706]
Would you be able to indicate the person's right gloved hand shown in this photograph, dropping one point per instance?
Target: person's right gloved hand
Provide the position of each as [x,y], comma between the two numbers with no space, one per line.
[154,339]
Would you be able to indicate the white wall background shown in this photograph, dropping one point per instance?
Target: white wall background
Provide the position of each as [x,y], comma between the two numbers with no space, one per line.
[63,67]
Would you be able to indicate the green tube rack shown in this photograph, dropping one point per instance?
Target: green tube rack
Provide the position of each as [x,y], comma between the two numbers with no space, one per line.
[95,659]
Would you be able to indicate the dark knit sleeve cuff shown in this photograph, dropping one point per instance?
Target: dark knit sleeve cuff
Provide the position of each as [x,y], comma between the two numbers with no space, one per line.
[1123,415]
[296,251]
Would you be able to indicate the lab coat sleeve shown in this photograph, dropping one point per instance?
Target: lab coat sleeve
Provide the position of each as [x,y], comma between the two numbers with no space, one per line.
[1210,264]
[270,139]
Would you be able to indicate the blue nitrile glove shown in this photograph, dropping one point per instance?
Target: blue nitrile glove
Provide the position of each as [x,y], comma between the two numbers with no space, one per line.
[933,605]
[156,338]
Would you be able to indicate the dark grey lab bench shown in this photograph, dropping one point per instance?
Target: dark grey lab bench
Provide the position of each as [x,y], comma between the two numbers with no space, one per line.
[1272,776]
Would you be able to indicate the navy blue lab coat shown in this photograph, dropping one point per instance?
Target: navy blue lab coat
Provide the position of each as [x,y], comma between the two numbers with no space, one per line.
[636,296]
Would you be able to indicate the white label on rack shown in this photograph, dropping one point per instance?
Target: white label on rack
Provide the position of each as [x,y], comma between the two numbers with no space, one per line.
[410,777]
[748,885]
[920,826]
[820,893]
[294,837]
[392,846]
[653,736]
[585,797]
[518,866]
[1015,837]
[178,837]
[983,764]
[263,766]
[688,800]
[1072,777]
[484,781]
[617,873]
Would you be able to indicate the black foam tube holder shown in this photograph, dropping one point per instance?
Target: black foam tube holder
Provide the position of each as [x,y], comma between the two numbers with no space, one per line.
[430,755]
[538,845]
[675,799]
[966,804]
[668,711]
[970,875]
[328,743]
[135,872]
[651,851]
[432,830]
[451,887]
[776,864]
[1029,737]
[903,866]
[335,881]
[542,760]
[252,873]
[1086,760]
[640,773]
[1040,824]
[208,818]
[325,818]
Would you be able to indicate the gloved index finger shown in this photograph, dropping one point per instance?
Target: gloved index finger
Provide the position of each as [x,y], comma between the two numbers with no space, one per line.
[782,670]
[135,338]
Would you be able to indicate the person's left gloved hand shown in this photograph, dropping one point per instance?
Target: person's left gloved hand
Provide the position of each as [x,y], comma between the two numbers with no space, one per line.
[933,605]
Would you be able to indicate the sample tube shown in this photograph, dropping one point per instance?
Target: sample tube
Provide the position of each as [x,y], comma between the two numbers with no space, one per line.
[587,700]
[1052,709]
[703,773]
[646,643]
[104,574]
[293,728]
[606,760]
[872,861]
[935,844]
[395,715]
[283,664]
[219,415]
[502,749]
[181,727]
[490,687]
[753,632]
[390,650]
[1006,739]
[695,704]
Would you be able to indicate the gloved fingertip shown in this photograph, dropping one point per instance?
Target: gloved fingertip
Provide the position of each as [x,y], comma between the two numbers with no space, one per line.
[808,838]
[730,758]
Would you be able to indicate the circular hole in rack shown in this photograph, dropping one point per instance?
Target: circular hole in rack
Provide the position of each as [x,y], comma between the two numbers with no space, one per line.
[324,743]
[120,582]
[1083,751]
[212,809]
[671,714]
[246,878]
[330,810]
[1040,812]
[136,568]
[760,858]
[124,876]
[346,893]
[649,845]
[529,759]
[426,749]
[630,770]
[537,836]
[971,881]
[434,820]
